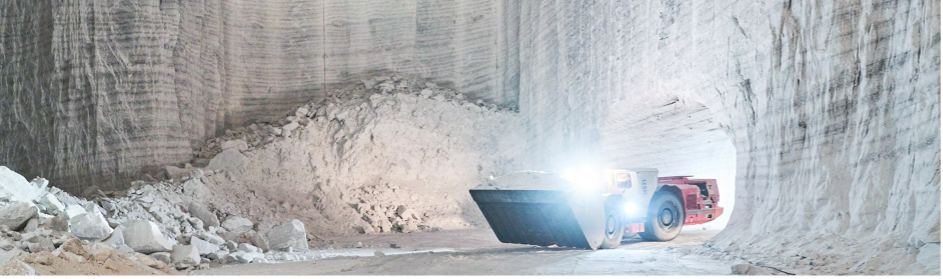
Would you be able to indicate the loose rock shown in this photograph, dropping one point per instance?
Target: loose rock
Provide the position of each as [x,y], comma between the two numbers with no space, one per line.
[51,204]
[290,235]
[90,226]
[144,237]
[229,160]
[202,246]
[162,256]
[211,238]
[16,214]
[116,238]
[259,240]
[200,212]
[237,224]
[185,255]
[248,248]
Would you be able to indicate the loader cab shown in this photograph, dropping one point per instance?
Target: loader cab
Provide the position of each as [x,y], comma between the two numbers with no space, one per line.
[635,185]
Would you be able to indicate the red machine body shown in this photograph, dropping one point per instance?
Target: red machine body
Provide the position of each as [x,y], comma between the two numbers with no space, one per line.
[700,197]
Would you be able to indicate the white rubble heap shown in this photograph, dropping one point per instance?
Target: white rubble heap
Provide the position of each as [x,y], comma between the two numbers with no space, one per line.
[179,225]
[149,219]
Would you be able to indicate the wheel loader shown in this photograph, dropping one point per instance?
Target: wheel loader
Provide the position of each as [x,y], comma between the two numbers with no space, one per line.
[594,211]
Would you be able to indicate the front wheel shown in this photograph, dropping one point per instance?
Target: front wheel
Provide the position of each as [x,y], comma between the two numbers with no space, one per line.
[665,218]
[614,229]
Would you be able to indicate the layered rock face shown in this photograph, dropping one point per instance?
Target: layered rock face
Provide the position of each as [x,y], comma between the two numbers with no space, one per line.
[97,92]
[832,109]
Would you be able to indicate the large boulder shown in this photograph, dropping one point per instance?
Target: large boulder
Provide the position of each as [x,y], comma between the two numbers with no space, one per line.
[200,212]
[90,226]
[290,235]
[144,237]
[16,214]
[237,224]
[230,160]
[185,255]
[14,186]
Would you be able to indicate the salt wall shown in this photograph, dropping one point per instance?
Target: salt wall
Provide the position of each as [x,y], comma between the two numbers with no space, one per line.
[832,107]
[95,92]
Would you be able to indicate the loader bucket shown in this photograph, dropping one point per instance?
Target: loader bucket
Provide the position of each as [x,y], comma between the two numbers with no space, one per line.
[543,217]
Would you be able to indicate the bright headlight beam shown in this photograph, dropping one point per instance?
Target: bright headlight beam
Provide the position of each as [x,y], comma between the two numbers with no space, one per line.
[629,208]
[584,177]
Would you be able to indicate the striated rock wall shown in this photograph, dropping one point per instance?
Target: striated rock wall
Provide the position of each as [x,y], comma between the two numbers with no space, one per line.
[833,109]
[96,92]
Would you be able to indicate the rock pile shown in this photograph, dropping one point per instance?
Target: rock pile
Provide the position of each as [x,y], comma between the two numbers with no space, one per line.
[150,224]
[386,211]
[358,175]
[377,91]
[386,134]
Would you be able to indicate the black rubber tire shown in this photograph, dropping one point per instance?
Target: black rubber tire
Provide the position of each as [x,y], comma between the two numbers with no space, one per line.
[665,218]
[615,227]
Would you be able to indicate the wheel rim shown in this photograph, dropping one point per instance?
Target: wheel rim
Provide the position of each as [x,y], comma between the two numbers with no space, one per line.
[667,217]
[610,226]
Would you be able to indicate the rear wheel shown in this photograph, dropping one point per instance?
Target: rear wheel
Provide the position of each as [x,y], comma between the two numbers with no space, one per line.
[665,218]
[614,229]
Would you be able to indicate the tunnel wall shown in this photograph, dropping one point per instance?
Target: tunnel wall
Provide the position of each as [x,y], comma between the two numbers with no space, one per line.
[833,109]
[95,93]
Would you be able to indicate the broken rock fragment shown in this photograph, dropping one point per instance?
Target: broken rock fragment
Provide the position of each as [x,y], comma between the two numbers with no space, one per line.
[290,235]
[144,237]
[73,210]
[14,186]
[116,239]
[230,160]
[58,223]
[185,255]
[16,214]
[258,240]
[249,248]
[203,247]
[90,226]
[51,204]
[162,256]
[211,238]
[200,212]
[244,257]
[237,224]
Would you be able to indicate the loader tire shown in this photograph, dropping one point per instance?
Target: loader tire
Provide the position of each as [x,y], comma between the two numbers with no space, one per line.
[665,218]
[615,227]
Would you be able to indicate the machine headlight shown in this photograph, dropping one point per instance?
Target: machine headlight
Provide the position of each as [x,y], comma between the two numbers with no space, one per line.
[630,208]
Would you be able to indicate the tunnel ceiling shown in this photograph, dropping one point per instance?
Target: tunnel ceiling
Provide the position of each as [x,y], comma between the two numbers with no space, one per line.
[832,108]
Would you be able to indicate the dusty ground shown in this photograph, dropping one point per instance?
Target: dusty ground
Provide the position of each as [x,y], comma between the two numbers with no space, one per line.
[478,252]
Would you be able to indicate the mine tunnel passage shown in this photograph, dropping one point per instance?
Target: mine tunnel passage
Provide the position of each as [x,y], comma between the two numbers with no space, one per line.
[677,138]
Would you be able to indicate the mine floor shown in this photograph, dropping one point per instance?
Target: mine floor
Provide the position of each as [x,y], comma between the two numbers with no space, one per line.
[478,252]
